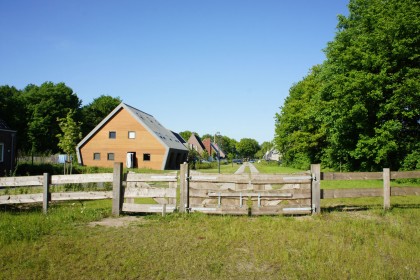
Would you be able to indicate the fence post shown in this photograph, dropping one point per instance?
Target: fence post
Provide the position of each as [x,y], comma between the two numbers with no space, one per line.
[316,188]
[183,188]
[46,198]
[117,189]
[387,188]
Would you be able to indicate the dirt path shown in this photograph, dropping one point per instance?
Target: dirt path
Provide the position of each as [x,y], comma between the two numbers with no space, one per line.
[252,168]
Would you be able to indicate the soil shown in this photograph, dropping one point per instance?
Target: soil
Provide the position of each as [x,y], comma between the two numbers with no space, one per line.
[124,221]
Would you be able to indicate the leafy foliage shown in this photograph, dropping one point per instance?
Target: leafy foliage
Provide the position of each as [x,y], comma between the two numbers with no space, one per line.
[71,134]
[360,109]
[247,147]
[44,105]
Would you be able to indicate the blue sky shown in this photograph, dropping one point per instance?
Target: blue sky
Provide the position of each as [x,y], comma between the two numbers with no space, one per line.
[201,65]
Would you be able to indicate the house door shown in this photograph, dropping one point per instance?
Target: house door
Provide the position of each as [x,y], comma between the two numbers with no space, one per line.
[131,159]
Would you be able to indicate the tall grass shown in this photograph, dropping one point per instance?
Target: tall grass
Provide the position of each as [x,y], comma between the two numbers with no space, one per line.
[369,244]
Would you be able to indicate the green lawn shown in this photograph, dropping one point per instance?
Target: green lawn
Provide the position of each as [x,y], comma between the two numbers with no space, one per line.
[367,244]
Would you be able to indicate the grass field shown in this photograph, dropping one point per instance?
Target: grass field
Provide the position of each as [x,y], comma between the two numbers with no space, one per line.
[368,244]
[352,238]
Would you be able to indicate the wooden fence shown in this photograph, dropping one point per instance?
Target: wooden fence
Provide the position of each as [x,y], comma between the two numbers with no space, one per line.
[386,192]
[252,194]
[256,194]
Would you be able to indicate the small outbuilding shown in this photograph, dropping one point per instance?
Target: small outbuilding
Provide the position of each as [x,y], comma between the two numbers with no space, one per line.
[7,149]
[133,137]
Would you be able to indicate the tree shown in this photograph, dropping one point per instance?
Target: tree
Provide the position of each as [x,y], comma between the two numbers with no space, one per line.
[360,109]
[44,105]
[68,139]
[299,128]
[372,85]
[186,134]
[247,147]
[12,111]
[97,110]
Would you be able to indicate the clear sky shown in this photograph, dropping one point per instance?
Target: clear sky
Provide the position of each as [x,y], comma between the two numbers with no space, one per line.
[201,65]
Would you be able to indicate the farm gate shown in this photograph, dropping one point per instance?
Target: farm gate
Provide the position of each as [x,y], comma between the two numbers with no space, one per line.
[245,194]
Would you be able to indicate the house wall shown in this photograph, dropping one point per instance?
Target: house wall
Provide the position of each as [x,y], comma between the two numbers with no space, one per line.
[207,145]
[7,152]
[144,143]
[194,144]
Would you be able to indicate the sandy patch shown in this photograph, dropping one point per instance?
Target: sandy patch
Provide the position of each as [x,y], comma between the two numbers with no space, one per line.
[124,221]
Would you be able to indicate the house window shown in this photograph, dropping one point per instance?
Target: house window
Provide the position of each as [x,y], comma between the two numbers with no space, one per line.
[1,151]
[96,156]
[112,134]
[131,135]
[110,156]
[146,157]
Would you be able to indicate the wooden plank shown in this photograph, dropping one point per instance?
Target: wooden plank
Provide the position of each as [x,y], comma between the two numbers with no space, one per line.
[296,193]
[403,191]
[249,194]
[81,178]
[21,181]
[148,208]
[81,196]
[149,192]
[139,177]
[351,176]
[244,210]
[280,179]
[405,174]
[220,178]
[21,198]
[343,193]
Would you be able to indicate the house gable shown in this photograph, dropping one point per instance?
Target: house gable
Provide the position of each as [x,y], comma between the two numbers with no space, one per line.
[128,130]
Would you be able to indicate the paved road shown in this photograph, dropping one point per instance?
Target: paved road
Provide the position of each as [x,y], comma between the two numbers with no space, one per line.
[252,168]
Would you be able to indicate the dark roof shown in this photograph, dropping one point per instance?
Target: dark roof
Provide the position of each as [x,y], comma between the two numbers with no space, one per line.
[179,137]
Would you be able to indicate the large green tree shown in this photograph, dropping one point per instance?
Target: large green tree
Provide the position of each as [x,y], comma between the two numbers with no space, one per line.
[44,105]
[247,147]
[300,132]
[360,110]
[372,85]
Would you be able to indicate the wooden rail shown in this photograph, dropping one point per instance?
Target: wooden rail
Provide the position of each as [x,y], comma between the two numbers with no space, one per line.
[386,192]
[256,194]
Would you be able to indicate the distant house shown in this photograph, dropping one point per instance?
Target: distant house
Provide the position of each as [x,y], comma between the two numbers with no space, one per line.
[7,149]
[195,143]
[272,155]
[213,148]
[133,137]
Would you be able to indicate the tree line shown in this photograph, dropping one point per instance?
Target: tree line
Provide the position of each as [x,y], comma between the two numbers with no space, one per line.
[244,148]
[50,119]
[360,108]
[41,113]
